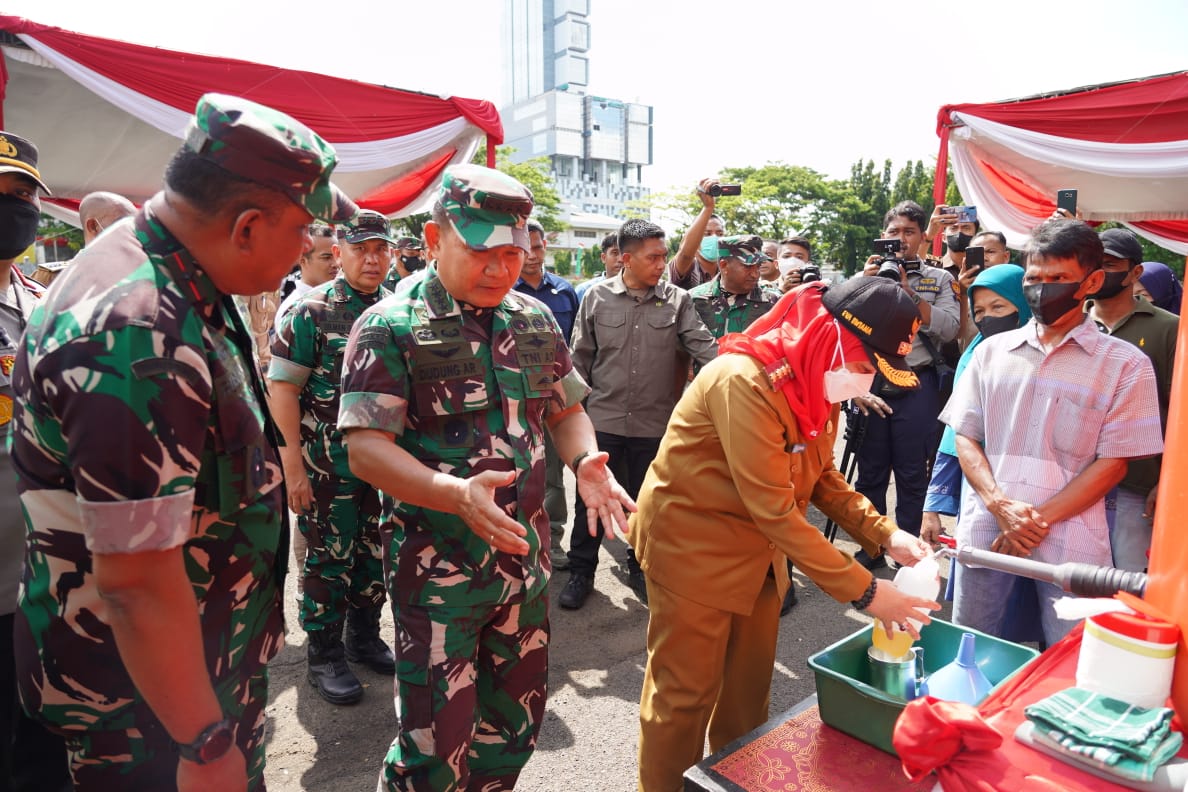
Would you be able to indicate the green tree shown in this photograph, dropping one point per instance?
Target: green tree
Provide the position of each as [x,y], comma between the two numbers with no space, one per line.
[563,263]
[533,174]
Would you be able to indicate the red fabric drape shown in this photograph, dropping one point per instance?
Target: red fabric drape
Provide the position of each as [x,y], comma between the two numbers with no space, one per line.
[1139,111]
[343,111]
[391,198]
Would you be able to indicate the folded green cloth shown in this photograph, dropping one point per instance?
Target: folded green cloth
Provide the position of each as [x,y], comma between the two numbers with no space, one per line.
[1108,760]
[1097,721]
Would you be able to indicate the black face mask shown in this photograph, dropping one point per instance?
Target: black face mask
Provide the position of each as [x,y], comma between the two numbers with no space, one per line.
[958,242]
[412,263]
[1050,301]
[1112,285]
[18,226]
[993,325]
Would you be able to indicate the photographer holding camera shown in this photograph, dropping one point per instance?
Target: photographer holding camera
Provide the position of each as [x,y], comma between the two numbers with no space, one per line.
[689,267]
[902,429]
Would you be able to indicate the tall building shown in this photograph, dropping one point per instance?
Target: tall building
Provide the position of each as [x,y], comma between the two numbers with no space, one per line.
[596,147]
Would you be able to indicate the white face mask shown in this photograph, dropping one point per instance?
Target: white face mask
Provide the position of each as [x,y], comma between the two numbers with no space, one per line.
[841,384]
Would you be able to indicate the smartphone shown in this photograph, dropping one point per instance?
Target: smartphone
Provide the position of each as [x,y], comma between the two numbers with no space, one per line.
[975,259]
[1067,199]
[965,214]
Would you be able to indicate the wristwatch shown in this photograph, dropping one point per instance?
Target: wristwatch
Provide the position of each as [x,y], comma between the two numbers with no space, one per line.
[210,744]
[915,295]
[577,460]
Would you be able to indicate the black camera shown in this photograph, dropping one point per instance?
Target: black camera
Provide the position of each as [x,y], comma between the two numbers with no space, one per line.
[889,266]
[718,190]
[810,273]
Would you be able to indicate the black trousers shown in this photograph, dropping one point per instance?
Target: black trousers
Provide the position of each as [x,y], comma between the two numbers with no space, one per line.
[32,759]
[629,461]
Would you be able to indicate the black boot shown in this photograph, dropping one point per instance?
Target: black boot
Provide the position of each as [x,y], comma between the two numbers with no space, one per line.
[328,671]
[363,642]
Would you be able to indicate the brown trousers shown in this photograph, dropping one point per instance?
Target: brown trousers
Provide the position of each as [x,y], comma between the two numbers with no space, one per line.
[709,671]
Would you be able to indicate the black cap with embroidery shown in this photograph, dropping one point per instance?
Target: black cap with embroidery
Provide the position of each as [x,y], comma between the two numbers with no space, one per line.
[884,318]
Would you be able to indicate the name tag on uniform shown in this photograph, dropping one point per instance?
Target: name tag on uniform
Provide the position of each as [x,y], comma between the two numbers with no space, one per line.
[445,362]
[535,349]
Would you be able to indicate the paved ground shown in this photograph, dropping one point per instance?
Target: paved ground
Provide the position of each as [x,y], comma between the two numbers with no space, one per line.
[588,740]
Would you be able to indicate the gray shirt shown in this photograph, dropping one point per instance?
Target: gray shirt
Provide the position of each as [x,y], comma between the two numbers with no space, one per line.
[15,308]
[938,288]
[626,349]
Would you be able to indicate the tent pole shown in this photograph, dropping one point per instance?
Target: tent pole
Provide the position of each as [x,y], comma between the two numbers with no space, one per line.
[490,152]
[940,181]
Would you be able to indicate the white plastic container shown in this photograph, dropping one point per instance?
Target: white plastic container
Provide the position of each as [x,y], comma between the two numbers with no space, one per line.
[921,580]
[1129,657]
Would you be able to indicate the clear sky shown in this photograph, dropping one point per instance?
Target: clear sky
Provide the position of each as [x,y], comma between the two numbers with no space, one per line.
[820,83]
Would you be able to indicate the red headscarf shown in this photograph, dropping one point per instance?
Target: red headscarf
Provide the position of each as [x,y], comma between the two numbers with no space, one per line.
[796,341]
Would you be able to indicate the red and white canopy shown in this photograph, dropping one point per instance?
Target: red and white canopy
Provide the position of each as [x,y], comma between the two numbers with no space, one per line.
[107,115]
[1123,146]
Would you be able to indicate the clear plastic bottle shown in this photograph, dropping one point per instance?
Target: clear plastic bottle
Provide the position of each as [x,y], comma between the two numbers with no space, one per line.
[921,580]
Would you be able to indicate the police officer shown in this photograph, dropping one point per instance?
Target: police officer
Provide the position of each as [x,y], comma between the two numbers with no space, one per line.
[734,299]
[448,389]
[150,601]
[902,431]
[337,514]
[31,758]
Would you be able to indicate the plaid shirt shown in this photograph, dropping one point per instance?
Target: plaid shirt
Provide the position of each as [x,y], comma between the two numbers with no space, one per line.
[1045,417]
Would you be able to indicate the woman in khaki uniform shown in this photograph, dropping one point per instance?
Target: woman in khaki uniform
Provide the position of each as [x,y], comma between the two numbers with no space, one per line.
[724,504]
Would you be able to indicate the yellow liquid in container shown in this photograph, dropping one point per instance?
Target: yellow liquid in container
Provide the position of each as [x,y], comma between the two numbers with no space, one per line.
[897,647]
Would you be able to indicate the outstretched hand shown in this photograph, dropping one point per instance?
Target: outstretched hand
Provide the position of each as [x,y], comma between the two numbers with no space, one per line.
[604,497]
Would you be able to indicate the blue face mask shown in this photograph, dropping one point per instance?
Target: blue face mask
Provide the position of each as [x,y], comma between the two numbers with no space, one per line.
[709,248]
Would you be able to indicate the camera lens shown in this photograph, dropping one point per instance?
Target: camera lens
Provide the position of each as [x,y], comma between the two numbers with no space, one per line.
[809,274]
[889,269]
[715,190]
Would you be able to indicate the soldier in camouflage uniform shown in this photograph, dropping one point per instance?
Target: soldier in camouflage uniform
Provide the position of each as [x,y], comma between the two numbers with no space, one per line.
[408,259]
[448,388]
[336,513]
[150,599]
[734,298]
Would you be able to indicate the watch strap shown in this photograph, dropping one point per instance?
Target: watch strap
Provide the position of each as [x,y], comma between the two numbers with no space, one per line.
[210,744]
[577,460]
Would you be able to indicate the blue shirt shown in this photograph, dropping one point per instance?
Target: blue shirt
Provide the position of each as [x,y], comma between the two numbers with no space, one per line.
[558,295]
[584,287]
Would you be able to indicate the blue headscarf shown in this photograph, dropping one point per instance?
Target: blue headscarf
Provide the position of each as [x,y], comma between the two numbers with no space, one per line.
[1161,283]
[1007,281]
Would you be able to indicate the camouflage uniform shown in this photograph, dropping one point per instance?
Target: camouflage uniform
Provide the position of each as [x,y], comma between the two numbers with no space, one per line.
[140,426]
[730,313]
[465,391]
[344,564]
[172,374]
[723,312]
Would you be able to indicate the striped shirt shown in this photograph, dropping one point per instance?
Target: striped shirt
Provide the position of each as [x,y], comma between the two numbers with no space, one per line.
[1045,417]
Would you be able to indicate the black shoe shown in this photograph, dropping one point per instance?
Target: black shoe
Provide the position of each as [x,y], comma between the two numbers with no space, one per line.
[363,642]
[871,563]
[789,601]
[328,671]
[576,591]
[635,579]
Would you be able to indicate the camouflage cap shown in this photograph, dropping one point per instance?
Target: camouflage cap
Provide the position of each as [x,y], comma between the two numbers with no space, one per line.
[487,208]
[272,149]
[409,243]
[368,224]
[18,155]
[746,248]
